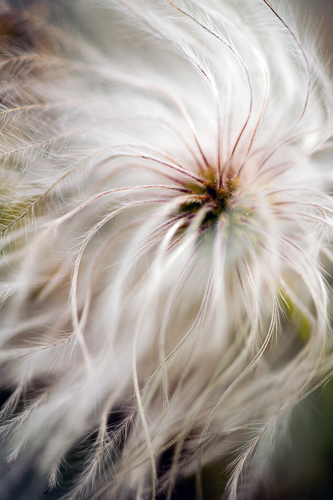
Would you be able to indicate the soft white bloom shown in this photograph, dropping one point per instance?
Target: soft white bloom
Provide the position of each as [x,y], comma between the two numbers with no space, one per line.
[166,239]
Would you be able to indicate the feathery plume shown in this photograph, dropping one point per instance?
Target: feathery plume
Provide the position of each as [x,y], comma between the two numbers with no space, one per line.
[166,223]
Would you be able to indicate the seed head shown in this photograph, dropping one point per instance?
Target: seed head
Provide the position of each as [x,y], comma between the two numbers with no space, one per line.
[166,240]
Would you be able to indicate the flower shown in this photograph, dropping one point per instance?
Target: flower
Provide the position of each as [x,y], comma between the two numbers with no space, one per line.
[166,239]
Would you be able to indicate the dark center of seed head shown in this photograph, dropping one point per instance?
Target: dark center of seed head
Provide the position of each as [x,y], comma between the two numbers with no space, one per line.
[215,199]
